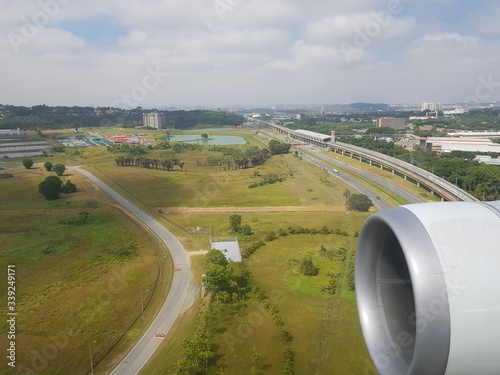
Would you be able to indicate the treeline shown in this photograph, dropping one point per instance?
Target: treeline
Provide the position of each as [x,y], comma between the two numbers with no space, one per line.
[233,158]
[43,117]
[167,164]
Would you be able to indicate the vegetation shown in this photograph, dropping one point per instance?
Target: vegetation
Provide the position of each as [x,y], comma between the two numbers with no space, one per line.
[45,117]
[59,169]
[28,163]
[50,188]
[359,202]
[278,147]
[48,166]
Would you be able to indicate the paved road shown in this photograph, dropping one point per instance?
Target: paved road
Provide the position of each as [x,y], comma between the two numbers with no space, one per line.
[378,202]
[411,198]
[146,346]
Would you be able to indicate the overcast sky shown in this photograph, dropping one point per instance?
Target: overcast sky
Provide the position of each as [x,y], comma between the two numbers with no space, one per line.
[155,53]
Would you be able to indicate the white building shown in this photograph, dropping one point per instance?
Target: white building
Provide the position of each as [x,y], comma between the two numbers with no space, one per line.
[445,145]
[433,107]
[9,132]
[153,120]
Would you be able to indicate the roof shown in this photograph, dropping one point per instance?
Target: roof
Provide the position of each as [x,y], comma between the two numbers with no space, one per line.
[230,249]
[313,134]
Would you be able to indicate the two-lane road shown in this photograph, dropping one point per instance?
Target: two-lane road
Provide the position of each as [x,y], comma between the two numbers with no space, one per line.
[147,345]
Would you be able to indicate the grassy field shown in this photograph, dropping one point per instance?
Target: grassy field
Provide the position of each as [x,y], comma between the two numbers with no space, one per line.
[324,327]
[72,280]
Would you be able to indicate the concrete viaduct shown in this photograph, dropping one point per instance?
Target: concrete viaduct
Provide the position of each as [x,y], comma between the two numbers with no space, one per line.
[436,185]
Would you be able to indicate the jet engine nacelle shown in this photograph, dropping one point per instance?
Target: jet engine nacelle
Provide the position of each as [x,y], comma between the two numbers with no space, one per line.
[428,288]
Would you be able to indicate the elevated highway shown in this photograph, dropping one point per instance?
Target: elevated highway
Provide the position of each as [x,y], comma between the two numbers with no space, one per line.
[437,185]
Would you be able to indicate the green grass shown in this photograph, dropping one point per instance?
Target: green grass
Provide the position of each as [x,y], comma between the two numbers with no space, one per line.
[71,281]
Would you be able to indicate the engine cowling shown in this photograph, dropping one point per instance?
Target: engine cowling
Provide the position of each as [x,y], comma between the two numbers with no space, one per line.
[428,288]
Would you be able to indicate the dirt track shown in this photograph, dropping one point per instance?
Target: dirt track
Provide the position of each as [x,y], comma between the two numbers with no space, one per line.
[265,209]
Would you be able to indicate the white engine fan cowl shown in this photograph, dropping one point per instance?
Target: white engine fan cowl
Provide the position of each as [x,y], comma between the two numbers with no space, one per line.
[428,288]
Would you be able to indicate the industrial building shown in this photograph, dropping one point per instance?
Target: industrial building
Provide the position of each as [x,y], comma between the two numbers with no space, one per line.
[9,132]
[153,120]
[445,145]
[391,122]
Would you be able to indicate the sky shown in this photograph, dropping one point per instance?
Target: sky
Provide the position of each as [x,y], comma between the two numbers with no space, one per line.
[218,53]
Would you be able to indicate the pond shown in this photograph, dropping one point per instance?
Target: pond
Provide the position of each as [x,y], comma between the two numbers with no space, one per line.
[213,140]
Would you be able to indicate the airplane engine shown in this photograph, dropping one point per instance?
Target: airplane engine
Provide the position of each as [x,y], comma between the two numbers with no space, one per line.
[428,288]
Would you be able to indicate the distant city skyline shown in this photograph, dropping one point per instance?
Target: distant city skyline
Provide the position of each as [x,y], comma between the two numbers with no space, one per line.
[221,53]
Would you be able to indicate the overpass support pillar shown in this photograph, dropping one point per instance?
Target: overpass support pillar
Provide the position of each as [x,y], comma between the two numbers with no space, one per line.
[381,167]
[418,183]
[405,178]
[343,152]
[393,171]
[350,156]
[371,162]
[360,159]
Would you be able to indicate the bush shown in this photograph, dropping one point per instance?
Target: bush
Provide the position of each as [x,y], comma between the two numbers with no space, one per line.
[68,188]
[48,166]
[59,169]
[28,163]
[307,267]
[83,218]
[50,188]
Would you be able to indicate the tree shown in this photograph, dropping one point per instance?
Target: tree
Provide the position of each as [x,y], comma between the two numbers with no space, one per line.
[59,169]
[50,188]
[359,202]
[235,222]
[68,188]
[204,136]
[28,163]
[307,267]
[346,194]
[246,230]
[215,257]
[277,147]
[48,166]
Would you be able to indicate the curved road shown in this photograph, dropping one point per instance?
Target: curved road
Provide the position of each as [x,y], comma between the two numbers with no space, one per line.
[146,346]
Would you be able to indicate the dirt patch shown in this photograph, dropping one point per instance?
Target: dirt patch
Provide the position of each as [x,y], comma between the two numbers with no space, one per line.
[265,209]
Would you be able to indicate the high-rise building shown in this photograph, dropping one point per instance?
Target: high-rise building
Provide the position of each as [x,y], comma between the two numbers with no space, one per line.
[433,107]
[391,122]
[153,120]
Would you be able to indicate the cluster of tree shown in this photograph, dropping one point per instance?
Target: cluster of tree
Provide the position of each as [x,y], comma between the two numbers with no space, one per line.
[307,267]
[167,164]
[237,159]
[236,227]
[267,179]
[83,218]
[359,202]
[45,117]
[277,147]
[5,175]
[197,353]
[333,255]
[52,187]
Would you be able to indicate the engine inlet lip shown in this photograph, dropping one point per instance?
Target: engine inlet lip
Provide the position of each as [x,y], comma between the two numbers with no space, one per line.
[432,332]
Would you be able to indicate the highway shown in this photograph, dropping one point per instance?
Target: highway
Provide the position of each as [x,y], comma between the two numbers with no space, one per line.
[147,345]
[411,198]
